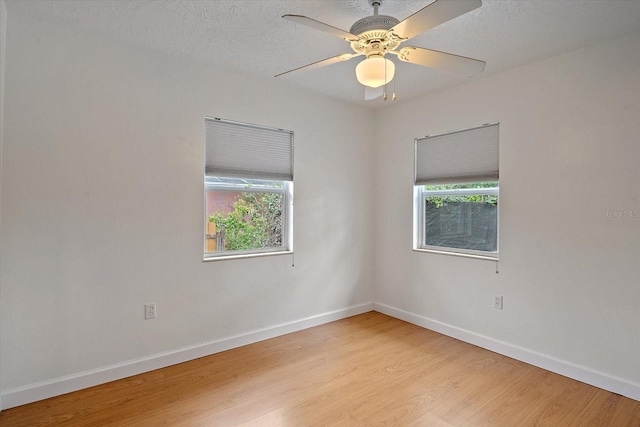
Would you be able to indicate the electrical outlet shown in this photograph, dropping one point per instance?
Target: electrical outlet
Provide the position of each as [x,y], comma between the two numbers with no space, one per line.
[150,311]
[497,302]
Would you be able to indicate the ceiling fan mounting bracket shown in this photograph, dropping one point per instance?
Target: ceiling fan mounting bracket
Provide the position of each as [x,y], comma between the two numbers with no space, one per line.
[403,54]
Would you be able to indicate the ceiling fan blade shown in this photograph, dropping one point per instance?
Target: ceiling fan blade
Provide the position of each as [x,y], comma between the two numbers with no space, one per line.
[322,63]
[309,22]
[432,15]
[373,92]
[442,60]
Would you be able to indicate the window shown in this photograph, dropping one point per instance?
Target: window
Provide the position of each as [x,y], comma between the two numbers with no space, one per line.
[248,187]
[456,192]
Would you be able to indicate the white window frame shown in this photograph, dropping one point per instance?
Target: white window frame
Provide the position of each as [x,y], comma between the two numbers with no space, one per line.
[243,157]
[419,244]
[466,156]
[287,218]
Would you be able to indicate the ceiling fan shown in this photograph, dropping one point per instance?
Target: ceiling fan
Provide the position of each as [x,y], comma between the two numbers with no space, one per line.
[377,35]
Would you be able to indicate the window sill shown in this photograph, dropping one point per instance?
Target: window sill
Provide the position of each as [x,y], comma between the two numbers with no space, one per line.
[492,257]
[241,256]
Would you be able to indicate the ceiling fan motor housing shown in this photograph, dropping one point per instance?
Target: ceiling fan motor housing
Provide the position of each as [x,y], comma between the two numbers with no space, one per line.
[373,34]
[375,22]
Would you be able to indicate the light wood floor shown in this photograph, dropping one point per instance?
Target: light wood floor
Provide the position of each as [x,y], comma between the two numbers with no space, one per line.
[367,370]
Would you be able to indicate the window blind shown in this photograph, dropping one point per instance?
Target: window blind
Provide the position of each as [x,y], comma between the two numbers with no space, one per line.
[469,155]
[239,150]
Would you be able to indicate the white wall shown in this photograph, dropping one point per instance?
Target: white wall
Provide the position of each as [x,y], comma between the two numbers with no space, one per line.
[569,151]
[103,210]
[3,45]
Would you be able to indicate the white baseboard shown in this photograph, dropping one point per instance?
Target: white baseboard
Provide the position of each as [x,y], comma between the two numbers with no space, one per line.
[43,390]
[562,367]
[57,386]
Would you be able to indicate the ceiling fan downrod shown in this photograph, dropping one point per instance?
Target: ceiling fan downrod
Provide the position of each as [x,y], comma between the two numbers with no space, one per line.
[376,5]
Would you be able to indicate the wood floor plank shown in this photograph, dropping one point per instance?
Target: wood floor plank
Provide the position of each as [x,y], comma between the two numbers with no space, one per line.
[367,370]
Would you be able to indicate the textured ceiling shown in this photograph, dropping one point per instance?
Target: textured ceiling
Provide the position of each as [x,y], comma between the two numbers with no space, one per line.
[250,36]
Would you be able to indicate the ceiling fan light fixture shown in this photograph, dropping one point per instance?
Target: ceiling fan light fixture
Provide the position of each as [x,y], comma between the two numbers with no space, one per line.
[378,35]
[375,71]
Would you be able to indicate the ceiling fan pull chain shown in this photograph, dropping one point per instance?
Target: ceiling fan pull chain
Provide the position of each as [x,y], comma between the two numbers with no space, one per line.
[393,97]
[384,64]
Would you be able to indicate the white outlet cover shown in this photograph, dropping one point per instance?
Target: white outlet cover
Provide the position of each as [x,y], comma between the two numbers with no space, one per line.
[150,311]
[497,302]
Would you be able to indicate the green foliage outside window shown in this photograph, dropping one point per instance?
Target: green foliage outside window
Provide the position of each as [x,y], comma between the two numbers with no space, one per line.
[254,223]
[440,201]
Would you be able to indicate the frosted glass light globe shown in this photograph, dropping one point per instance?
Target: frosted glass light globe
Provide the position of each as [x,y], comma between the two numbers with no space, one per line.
[371,71]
